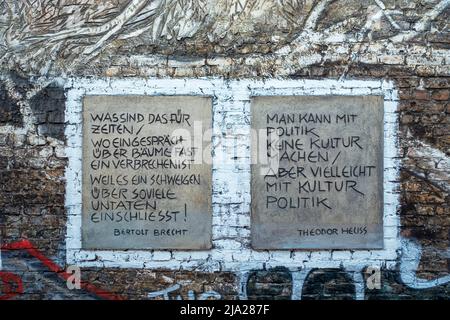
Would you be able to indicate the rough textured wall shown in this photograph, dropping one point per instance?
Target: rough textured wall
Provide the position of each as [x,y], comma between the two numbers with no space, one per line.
[43,42]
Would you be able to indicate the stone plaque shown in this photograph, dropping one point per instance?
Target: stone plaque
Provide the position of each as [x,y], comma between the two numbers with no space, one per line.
[146,182]
[317,176]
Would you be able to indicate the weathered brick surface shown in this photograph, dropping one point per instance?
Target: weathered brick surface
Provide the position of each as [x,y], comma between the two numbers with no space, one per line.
[274,284]
[9,110]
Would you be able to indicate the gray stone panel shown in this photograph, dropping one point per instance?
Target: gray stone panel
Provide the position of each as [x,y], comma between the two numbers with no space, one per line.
[322,185]
[145,182]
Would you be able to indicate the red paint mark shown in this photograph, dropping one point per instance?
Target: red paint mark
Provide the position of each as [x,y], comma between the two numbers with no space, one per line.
[52,266]
[11,285]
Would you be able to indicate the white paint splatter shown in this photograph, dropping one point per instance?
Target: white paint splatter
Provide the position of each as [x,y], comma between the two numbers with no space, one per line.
[409,262]
[298,281]
[434,164]
[164,293]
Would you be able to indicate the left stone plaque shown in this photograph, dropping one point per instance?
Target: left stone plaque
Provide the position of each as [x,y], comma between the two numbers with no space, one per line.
[146,172]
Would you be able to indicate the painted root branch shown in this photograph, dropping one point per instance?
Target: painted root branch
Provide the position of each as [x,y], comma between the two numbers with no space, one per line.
[35,35]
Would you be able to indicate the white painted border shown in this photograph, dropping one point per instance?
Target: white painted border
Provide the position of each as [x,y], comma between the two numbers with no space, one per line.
[231,112]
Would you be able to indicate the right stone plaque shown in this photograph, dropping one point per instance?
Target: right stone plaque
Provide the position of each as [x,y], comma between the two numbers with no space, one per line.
[317,172]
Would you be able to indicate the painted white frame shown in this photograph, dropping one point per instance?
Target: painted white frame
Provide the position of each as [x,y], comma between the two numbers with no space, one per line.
[231,112]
